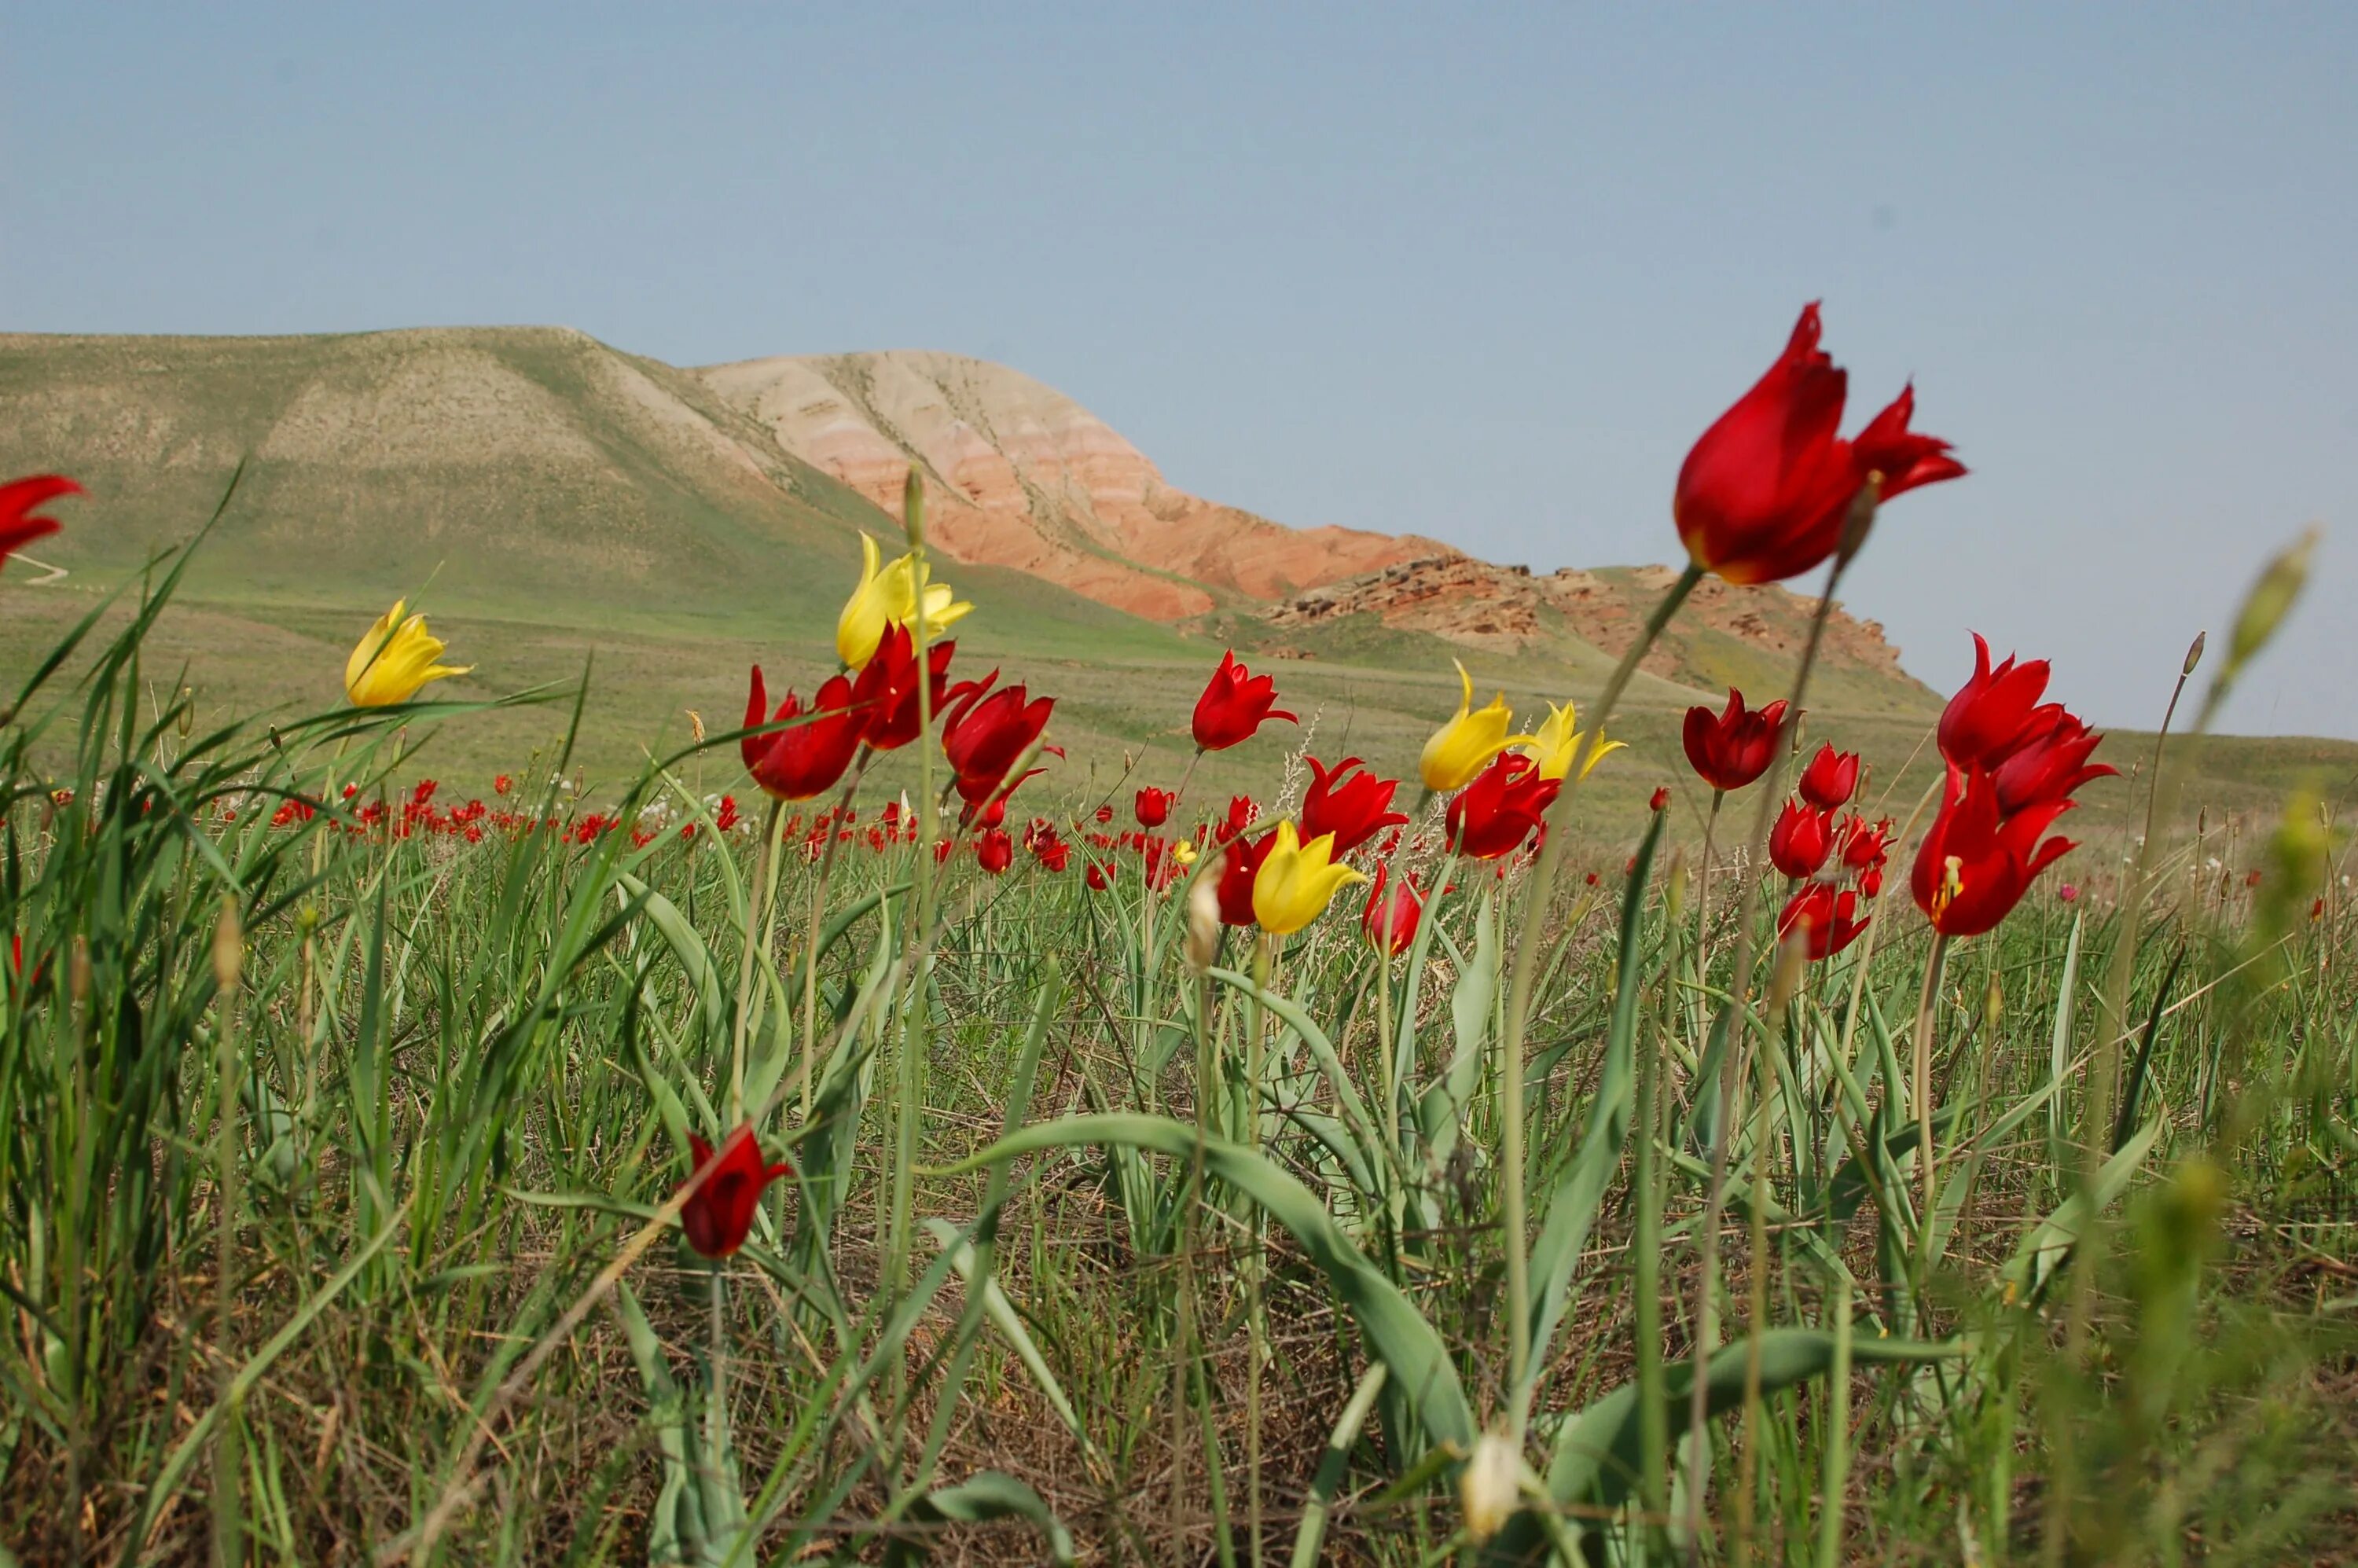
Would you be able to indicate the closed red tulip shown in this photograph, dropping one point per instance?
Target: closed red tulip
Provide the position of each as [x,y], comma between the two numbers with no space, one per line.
[1831,778]
[1506,804]
[1733,747]
[887,691]
[720,1211]
[1350,802]
[994,851]
[1242,810]
[20,524]
[1976,863]
[1801,839]
[1394,908]
[1764,493]
[1235,705]
[1239,866]
[1153,806]
[806,758]
[1825,919]
[988,731]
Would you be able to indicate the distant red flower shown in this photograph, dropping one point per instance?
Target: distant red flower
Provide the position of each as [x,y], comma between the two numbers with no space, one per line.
[1153,806]
[989,732]
[726,818]
[806,759]
[1824,918]
[887,690]
[1350,802]
[991,812]
[1393,910]
[1976,863]
[1732,748]
[1241,812]
[1831,778]
[1238,867]
[721,1211]
[1864,846]
[1660,799]
[19,524]
[994,851]
[1764,491]
[1099,875]
[1235,705]
[1803,837]
[1105,814]
[1505,802]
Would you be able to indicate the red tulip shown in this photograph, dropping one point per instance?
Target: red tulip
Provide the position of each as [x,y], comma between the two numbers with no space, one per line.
[994,851]
[1732,748]
[1238,867]
[808,759]
[1505,804]
[2050,760]
[1995,710]
[1393,910]
[1153,806]
[1803,837]
[1241,812]
[1660,799]
[1105,814]
[18,498]
[1823,918]
[1864,846]
[720,1211]
[1234,704]
[1977,862]
[1350,802]
[1100,876]
[1764,493]
[1831,778]
[985,735]
[887,692]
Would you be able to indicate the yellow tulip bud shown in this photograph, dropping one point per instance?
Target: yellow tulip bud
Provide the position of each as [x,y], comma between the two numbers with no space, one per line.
[1464,747]
[1558,744]
[1297,881]
[394,660]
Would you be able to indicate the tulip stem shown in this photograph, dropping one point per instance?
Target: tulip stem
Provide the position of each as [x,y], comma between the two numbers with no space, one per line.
[756,898]
[1926,1005]
[1256,1323]
[1519,997]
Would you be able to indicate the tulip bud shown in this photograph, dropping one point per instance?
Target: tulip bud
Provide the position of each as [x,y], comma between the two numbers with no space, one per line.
[1203,942]
[913,509]
[188,719]
[229,945]
[1992,1005]
[1859,522]
[1490,1486]
[2265,608]
[78,971]
[2193,654]
[1792,963]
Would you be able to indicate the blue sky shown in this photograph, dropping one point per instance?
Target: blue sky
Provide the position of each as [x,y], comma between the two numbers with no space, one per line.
[1481,276]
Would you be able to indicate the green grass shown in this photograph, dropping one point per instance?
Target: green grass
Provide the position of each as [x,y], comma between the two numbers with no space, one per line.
[354,1240]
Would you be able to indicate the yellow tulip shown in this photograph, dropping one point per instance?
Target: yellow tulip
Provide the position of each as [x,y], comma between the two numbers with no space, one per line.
[1464,746]
[1297,881]
[394,660]
[1558,743]
[888,594]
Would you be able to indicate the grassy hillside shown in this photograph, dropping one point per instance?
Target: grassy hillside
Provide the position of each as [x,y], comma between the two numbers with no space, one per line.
[562,503]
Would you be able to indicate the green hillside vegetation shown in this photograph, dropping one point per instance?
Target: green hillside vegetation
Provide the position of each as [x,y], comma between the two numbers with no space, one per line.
[558,506]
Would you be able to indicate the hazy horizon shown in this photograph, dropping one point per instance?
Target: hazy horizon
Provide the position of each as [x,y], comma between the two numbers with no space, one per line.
[1479,278]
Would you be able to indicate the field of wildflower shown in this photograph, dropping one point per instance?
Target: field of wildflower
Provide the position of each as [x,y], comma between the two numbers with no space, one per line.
[761,1163]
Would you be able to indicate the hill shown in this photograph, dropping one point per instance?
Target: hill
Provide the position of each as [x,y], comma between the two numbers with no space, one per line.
[555,498]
